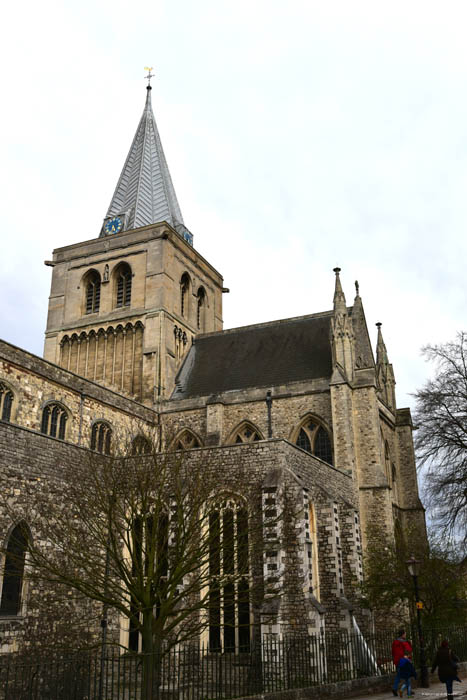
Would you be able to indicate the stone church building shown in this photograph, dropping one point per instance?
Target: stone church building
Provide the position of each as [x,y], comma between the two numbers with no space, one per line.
[135,337]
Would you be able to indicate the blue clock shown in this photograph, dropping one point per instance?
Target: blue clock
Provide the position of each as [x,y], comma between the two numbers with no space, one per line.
[113,225]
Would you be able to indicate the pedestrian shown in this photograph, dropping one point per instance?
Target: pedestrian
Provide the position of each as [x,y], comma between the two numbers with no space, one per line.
[399,647]
[406,673]
[447,663]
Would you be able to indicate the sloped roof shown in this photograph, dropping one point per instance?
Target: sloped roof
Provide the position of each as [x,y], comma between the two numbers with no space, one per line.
[266,355]
[145,188]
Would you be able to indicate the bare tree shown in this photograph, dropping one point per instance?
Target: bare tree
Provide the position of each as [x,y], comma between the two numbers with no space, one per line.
[153,538]
[441,440]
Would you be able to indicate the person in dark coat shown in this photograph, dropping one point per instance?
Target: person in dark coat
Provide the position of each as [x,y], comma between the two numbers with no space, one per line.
[406,672]
[446,662]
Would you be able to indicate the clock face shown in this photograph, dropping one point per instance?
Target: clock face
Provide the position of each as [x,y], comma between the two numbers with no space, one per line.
[114,225]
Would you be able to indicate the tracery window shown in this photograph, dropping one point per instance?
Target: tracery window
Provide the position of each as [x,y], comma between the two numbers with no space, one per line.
[184,289]
[54,420]
[246,433]
[6,402]
[200,308]
[315,439]
[13,570]
[141,446]
[229,601]
[186,441]
[101,437]
[123,276]
[149,542]
[93,292]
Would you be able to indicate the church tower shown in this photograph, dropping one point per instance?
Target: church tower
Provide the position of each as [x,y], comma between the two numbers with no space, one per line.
[125,306]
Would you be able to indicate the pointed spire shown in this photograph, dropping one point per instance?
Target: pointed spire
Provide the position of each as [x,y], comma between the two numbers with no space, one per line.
[145,194]
[381,352]
[340,305]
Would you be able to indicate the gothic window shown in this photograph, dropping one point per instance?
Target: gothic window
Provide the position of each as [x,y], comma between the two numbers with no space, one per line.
[141,446]
[101,436]
[184,289]
[229,600]
[149,542]
[123,276]
[93,292]
[186,441]
[246,433]
[200,308]
[6,402]
[387,461]
[13,570]
[313,438]
[54,420]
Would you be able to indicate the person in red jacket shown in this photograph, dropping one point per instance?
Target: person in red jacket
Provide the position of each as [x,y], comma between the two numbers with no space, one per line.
[400,646]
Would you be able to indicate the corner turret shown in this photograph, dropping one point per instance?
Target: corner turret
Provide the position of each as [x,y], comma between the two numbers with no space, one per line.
[342,335]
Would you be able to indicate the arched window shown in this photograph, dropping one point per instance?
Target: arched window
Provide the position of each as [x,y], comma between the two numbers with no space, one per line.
[184,289]
[54,420]
[186,441]
[313,438]
[141,446]
[123,277]
[229,601]
[200,308]
[246,433]
[101,436]
[6,402]
[93,292]
[13,570]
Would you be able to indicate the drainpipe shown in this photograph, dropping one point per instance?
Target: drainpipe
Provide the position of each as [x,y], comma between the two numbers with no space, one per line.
[269,406]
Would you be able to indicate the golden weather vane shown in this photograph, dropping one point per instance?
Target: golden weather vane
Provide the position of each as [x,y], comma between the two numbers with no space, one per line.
[149,75]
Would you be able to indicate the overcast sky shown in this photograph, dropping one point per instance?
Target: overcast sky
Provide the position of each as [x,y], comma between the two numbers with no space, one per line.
[299,136]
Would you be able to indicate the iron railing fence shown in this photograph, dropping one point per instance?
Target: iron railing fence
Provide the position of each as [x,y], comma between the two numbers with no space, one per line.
[193,672]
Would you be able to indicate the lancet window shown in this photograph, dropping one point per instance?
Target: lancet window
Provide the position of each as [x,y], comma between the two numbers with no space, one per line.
[200,308]
[101,437]
[13,571]
[313,438]
[123,276]
[229,600]
[6,402]
[184,290]
[54,420]
[93,292]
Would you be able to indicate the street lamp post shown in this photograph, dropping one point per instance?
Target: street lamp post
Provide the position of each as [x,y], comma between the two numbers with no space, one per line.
[414,569]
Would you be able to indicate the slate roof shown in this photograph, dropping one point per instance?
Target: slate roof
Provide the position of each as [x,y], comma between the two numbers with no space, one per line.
[145,188]
[269,354]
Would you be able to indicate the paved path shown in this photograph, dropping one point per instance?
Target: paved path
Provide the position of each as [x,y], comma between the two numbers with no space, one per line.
[436,691]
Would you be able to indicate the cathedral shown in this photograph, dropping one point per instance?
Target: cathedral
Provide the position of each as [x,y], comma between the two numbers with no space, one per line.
[135,337]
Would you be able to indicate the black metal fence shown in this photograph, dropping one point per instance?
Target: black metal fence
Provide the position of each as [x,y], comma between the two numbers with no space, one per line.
[196,673]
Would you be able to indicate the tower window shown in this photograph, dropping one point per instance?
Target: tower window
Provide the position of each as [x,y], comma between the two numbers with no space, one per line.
[6,402]
[13,572]
[315,439]
[200,308]
[184,288]
[101,436]
[123,277]
[54,420]
[93,292]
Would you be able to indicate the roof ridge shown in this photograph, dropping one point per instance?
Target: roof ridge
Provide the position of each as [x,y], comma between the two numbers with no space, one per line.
[265,324]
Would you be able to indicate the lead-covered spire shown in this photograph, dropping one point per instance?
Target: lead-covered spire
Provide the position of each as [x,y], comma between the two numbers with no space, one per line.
[144,194]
